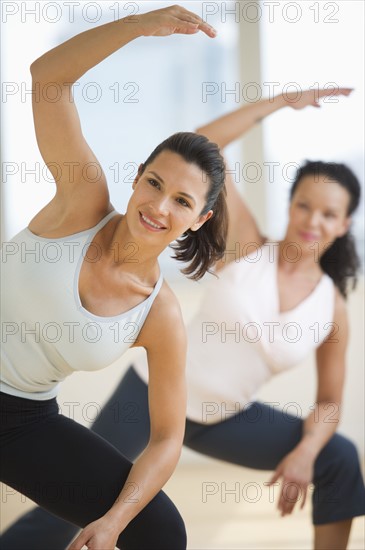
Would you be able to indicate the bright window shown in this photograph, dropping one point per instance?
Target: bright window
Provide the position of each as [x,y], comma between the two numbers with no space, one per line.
[303,45]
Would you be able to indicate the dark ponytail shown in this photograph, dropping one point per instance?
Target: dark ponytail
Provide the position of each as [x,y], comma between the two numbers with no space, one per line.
[201,249]
[340,261]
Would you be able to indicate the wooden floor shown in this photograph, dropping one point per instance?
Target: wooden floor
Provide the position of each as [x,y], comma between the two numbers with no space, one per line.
[224,507]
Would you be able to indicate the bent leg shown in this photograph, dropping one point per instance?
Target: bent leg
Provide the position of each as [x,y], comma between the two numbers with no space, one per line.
[260,437]
[339,489]
[339,493]
[124,422]
[75,474]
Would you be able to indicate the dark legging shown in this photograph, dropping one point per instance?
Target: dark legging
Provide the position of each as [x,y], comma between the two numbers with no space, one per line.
[75,474]
[259,437]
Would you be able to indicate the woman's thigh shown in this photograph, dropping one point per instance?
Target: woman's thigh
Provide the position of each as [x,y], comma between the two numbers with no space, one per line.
[257,437]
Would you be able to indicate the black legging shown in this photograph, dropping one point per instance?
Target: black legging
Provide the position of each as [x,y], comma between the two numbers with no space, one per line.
[75,474]
[257,438]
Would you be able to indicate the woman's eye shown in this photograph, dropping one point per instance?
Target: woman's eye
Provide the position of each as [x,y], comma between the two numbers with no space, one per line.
[154,183]
[330,215]
[183,202]
[302,205]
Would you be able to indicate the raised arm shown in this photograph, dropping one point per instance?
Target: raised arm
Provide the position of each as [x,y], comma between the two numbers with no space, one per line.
[234,125]
[58,130]
[243,228]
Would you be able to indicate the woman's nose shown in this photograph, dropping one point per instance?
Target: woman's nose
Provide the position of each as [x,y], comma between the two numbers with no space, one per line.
[161,206]
[314,218]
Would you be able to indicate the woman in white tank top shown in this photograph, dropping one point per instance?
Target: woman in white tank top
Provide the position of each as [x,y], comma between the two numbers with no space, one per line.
[317,250]
[79,313]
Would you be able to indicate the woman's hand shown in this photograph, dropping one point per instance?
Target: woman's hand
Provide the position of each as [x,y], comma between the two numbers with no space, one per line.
[296,471]
[171,20]
[98,535]
[300,100]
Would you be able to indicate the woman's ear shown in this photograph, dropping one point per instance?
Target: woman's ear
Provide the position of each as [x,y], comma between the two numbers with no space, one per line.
[346,226]
[201,220]
[138,175]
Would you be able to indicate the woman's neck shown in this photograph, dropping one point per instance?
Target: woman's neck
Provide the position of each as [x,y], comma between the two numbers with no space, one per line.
[294,259]
[123,251]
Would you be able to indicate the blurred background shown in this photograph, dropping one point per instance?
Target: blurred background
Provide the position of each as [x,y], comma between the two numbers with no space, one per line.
[155,87]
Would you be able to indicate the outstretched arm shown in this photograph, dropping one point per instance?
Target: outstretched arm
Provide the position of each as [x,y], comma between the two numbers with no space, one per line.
[243,228]
[163,336]
[58,130]
[234,125]
[296,469]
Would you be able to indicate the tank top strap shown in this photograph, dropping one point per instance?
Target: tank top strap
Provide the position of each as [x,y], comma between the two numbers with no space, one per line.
[157,287]
[147,304]
[102,223]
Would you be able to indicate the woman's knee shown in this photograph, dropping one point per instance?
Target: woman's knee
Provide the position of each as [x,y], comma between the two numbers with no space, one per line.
[168,525]
[339,489]
[176,534]
[338,460]
[159,526]
[343,451]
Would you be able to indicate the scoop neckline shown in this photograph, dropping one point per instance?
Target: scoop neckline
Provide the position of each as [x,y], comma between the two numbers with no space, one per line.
[277,296]
[92,234]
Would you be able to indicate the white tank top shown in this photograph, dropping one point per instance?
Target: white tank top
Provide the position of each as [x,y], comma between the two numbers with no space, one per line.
[46,332]
[239,338]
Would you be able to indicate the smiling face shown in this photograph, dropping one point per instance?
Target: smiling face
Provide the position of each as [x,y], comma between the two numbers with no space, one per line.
[167,201]
[318,212]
